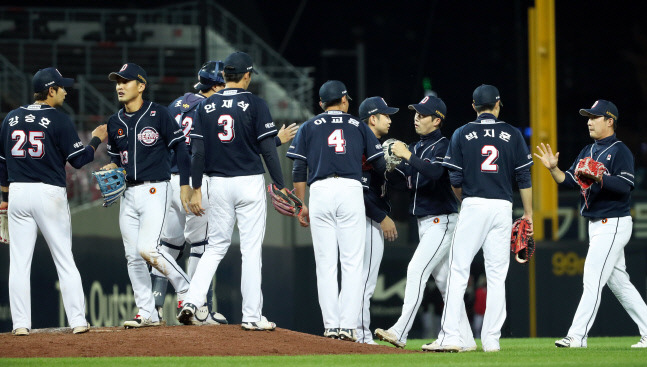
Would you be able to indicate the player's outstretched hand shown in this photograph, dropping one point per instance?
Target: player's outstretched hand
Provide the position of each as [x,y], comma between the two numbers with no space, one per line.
[108,166]
[388,228]
[400,150]
[304,217]
[547,157]
[101,132]
[287,133]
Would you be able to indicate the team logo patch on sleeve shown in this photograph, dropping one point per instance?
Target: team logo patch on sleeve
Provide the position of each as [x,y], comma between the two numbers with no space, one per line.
[148,136]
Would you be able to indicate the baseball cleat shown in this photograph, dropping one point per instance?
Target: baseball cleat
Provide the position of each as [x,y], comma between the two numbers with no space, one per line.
[437,348]
[81,329]
[203,317]
[494,350]
[348,334]
[21,331]
[468,349]
[259,325]
[368,341]
[186,316]
[389,337]
[568,342]
[642,343]
[429,347]
[332,333]
[138,322]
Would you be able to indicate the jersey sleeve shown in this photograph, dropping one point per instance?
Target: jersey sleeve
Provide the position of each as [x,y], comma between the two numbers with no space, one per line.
[373,148]
[622,165]
[171,132]
[198,118]
[264,125]
[523,156]
[453,159]
[298,146]
[68,139]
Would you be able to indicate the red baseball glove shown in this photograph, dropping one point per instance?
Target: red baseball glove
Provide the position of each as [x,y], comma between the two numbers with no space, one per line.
[521,243]
[588,171]
[289,204]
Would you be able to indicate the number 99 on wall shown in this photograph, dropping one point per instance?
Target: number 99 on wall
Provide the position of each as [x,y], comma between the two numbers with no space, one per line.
[569,263]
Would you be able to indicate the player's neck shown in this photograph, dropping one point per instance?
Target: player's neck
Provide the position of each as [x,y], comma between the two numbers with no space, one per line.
[134,105]
[239,85]
[47,102]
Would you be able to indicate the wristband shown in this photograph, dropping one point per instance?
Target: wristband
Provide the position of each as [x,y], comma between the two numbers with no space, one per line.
[5,196]
[94,142]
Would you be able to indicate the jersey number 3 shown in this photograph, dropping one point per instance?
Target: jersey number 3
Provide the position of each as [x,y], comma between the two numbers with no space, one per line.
[227,123]
[336,139]
[37,149]
[492,154]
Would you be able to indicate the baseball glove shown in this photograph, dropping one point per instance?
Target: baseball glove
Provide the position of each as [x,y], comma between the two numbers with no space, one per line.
[4,226]
[588,171]
[521,243]
[112,184]
[389,157]
[289,204]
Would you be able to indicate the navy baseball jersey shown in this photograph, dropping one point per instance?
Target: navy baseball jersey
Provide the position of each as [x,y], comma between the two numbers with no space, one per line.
[427,178]
[232,122]
[183,110]
[488,152]
[375,193]
[599,202]
[332,143]
[140,141]
[36,141]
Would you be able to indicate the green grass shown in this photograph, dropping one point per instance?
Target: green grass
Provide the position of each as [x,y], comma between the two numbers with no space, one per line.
[515,352]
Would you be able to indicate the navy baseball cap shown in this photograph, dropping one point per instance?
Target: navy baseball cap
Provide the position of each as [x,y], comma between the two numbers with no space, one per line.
[375,105]
[332,90]
[601,107]
[239,63]
[210,74]
[130,71]
[485,94]
[49,77]
[430,105]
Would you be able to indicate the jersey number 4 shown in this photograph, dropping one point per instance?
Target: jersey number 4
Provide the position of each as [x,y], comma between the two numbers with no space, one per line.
[336,139]
[491,152]
[37,149]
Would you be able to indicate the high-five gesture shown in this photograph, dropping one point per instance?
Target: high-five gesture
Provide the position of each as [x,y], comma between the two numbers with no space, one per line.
[550,161]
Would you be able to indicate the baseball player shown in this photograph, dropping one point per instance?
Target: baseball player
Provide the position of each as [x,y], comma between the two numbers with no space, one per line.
[606,204]
[483,157]
[140,138]
[328,151]
[434,205]
[376,113]
[36,142]
[231,128]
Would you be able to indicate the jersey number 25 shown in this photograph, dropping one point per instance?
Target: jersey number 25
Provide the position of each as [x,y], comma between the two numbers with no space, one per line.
[37,149]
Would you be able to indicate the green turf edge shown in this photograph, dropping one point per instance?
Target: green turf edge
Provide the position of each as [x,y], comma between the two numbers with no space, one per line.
[607,351]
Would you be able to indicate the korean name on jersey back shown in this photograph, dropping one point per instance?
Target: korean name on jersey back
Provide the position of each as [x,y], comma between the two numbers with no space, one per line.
[488,152]
[142,141]
[232,122]
[332,143]
[36,141]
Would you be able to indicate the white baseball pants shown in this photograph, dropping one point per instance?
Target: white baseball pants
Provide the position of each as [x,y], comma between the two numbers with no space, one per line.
[482,223]
[234,199]
[431,258]
[373,252]
[605,264]
[338,227]
[41,206]
[141,218]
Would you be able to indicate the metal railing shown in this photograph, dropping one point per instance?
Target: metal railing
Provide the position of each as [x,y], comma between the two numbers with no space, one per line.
[13,84]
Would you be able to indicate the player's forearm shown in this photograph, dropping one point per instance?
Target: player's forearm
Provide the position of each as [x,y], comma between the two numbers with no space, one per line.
[4,174]
[83,158]
[300,190]
[526,200]
[197,162]
[558,175]
[458,192]
[183,162]
[271,158]
[428,169]
[615,184]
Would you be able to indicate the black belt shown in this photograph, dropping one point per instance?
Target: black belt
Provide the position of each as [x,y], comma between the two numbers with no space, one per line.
[133,183]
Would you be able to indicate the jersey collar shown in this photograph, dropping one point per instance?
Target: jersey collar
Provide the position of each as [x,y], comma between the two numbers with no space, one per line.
[606,141]
[434,135]
[486,116]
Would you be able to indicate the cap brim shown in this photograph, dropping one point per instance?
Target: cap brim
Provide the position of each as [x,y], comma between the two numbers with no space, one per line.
[66,82]
[421,109]
[588,113]
[389,110]
[347,96]
[113,76]
[200,86]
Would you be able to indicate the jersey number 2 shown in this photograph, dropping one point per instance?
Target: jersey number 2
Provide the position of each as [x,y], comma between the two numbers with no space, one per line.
[492,154]
[187,124]
[37,149]
[336,139]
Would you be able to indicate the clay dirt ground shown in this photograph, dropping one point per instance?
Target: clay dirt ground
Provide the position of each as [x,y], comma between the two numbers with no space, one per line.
[212,340]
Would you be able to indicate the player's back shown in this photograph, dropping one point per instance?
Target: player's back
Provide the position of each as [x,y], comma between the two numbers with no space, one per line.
[333,144]
[232,122]
[36,143]
[489,152]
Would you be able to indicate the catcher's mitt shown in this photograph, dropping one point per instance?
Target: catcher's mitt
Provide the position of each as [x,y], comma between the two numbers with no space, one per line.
[289,204]
[588,171]
[112,184]
[4,226]
[389,157]
[521,243]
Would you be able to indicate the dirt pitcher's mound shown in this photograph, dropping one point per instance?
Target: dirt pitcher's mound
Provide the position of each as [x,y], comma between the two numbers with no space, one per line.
[212,340]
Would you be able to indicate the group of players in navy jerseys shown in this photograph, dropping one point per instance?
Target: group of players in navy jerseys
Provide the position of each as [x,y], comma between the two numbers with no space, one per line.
[195,169]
